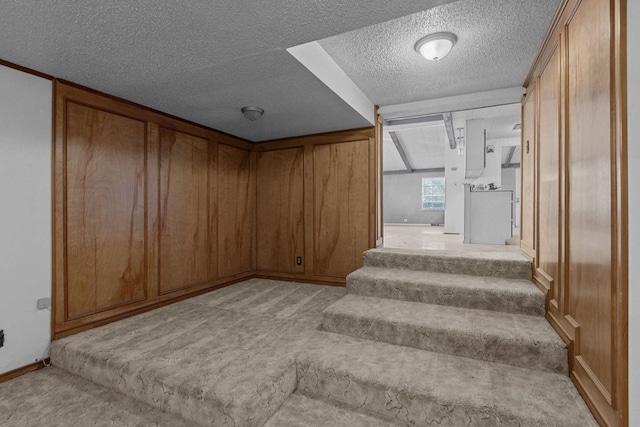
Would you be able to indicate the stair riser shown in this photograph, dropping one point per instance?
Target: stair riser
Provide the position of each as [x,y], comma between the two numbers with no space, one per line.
[393,403]
[508,269]
[143,386]
[467,298]
[531,355]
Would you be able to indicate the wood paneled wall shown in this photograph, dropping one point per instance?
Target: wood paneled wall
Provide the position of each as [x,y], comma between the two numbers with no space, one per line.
[140,218]
[280,214]
[319,203]
[149,209]
[579,175]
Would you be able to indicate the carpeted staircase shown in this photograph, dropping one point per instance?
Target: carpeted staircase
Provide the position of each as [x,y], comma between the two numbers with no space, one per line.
[420,339]
[439,338]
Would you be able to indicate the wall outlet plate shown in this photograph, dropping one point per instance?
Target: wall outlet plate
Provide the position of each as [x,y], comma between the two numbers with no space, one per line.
[44,303]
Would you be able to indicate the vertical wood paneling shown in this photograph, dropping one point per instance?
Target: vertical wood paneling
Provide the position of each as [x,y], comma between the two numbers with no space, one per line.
[527,168]
[184,211]
[105,246]
[589,292]
[341,207]
[590,194]
[235,211]
[549,178]
[280,213]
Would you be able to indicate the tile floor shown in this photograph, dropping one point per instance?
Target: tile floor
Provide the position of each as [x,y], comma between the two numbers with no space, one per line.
[433,237]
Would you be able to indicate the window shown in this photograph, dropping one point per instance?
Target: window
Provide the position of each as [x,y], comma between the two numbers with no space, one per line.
[433,194]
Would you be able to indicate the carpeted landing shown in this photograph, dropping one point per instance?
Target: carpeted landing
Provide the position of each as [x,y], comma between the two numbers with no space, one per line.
[416,339]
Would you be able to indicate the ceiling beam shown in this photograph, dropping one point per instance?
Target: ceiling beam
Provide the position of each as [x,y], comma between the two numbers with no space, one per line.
[414,120]
[507,162]
[403,154]
[430,170]
[454,103]
[448,125]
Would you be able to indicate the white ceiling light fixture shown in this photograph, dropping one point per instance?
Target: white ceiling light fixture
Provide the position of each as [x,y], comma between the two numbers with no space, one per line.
[436,46]
[252,113]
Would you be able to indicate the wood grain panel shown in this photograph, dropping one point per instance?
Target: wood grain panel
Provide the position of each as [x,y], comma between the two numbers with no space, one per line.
[280,210]
[184,211]
[105,210]
[548,188]
[341,207]
[235,211]
[527,168]
[590,195]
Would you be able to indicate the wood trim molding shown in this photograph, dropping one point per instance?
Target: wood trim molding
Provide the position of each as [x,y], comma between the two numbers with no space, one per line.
[349,135]
[163,119]
[24,370]
[25,69]
[621,219]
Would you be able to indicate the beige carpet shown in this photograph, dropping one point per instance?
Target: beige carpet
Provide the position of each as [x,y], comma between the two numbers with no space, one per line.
[255,353]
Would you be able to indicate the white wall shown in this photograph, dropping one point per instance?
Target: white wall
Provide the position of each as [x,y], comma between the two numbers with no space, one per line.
[633,105]
[25,216]
[403,200]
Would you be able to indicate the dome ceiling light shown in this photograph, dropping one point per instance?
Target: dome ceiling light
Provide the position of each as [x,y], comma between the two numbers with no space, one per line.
[252,113]
[435,46]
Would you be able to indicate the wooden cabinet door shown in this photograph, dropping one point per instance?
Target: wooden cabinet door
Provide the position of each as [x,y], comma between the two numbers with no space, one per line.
[280,213]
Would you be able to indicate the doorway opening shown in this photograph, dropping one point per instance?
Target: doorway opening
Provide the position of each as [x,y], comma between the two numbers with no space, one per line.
[427,164]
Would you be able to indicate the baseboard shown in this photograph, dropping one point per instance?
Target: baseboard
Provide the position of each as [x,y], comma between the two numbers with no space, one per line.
[24,370]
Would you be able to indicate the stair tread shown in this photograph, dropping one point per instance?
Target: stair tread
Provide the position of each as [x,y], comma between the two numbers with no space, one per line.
[520,286]
[472,322]
[514,255]
[492,264]
[488,293]
[300,410]
[514,339]
[421,387]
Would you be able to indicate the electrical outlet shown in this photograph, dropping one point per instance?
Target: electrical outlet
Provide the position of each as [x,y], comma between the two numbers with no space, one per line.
[299,260]
[44,303]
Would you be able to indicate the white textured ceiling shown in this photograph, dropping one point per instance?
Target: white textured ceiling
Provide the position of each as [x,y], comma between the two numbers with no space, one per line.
[201,60]
[497,43]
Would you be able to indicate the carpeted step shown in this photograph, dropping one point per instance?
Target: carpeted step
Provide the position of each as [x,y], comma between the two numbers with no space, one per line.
[54,397]
[525,341]
[211,367]
[300,410]
[485,293]
[509,265]
[423,388]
